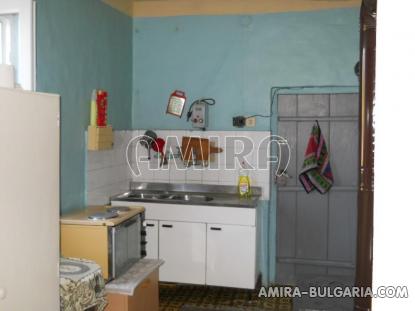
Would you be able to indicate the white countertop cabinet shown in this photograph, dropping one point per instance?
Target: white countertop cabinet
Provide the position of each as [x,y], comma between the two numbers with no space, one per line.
[183,248]
[230,256]
[152,238]
[210,245]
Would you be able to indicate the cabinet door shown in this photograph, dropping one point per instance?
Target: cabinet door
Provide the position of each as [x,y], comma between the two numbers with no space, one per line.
[152,238]
[183,248]
[231,256]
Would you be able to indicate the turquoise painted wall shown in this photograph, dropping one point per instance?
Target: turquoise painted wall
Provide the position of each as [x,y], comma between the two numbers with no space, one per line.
[236,60]
[82,45]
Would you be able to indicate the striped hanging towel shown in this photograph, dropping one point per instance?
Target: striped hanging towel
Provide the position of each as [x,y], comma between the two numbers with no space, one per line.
[316,171]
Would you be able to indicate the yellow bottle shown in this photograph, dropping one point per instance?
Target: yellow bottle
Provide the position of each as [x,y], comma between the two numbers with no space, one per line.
[244,183]
[93,116]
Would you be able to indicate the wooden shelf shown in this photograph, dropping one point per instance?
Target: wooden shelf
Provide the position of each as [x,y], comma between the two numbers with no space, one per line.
[100,137]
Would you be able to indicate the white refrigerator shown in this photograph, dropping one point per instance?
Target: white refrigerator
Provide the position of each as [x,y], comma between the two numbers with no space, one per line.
[29,201]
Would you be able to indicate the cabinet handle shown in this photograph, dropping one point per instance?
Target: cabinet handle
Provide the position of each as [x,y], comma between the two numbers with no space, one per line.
[215,229]
[167,226]
[149,225]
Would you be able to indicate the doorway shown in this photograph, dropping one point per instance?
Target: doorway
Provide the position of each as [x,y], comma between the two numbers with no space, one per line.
[316,237]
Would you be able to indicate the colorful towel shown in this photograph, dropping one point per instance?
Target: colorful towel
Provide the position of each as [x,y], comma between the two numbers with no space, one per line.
[316,171]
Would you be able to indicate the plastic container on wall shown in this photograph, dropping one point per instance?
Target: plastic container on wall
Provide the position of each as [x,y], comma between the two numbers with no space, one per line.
[102,106]
[93,117]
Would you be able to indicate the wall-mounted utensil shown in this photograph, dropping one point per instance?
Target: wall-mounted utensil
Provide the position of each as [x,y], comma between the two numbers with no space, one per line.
[147,141]
[158,146]
[197,150]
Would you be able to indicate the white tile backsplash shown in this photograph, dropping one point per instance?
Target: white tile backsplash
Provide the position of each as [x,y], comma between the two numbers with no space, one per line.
[210,175]
[177,171]
[194,174]
[109,173]
[107,170]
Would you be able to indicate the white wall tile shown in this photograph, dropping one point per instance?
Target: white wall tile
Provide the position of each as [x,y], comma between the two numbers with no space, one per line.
[107,170]
[210,182]
[177,172]
[162,175]
[265,190]
[227,183]
[210,175]
[229,176]
[109,174]
[218,137]
[194,174]
[193,182]
[146,173]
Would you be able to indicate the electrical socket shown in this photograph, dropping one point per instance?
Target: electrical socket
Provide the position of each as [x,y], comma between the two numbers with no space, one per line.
[238,121]
[250,122]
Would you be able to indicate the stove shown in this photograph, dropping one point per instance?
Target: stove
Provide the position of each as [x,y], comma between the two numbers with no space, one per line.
[122,237]
[119,209]
[103,215]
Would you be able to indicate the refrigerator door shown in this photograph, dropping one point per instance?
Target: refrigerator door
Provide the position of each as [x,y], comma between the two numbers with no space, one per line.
[29,201]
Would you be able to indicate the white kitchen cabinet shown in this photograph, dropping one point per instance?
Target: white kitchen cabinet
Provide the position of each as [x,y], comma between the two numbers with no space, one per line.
[152,238]
[194,253]
[182,245]
[230,256]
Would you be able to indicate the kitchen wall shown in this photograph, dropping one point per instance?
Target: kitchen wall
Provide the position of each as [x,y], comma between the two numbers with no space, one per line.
[147,8]
[224,167]
[109,172]
[218,56]
[236,60]
[82,45]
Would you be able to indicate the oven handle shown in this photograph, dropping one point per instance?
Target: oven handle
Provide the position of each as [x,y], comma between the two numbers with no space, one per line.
[129,223]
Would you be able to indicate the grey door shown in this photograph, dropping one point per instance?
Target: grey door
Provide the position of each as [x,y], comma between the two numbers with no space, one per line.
[317,233]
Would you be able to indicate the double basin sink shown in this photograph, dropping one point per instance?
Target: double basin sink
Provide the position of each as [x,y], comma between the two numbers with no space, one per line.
[138,195]
[190,194]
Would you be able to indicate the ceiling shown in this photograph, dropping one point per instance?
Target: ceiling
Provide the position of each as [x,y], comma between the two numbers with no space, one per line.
[154,8]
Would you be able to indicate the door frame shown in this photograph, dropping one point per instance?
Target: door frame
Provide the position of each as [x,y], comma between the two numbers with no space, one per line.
[364,257]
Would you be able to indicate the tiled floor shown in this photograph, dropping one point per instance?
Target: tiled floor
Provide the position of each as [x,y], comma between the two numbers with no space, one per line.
[321,303]
[173,297]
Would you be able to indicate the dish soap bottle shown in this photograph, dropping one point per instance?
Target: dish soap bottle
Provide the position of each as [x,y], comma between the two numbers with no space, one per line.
[244,183]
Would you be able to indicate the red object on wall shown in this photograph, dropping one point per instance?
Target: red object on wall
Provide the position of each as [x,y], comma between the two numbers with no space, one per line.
[176,103]
[102,107]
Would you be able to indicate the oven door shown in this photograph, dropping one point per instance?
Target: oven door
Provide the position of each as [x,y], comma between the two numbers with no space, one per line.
[126,245]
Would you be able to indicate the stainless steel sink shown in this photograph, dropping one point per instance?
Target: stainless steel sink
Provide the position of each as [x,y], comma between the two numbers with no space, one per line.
[147,196]
[187,194]
[134,195]
[190,197]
